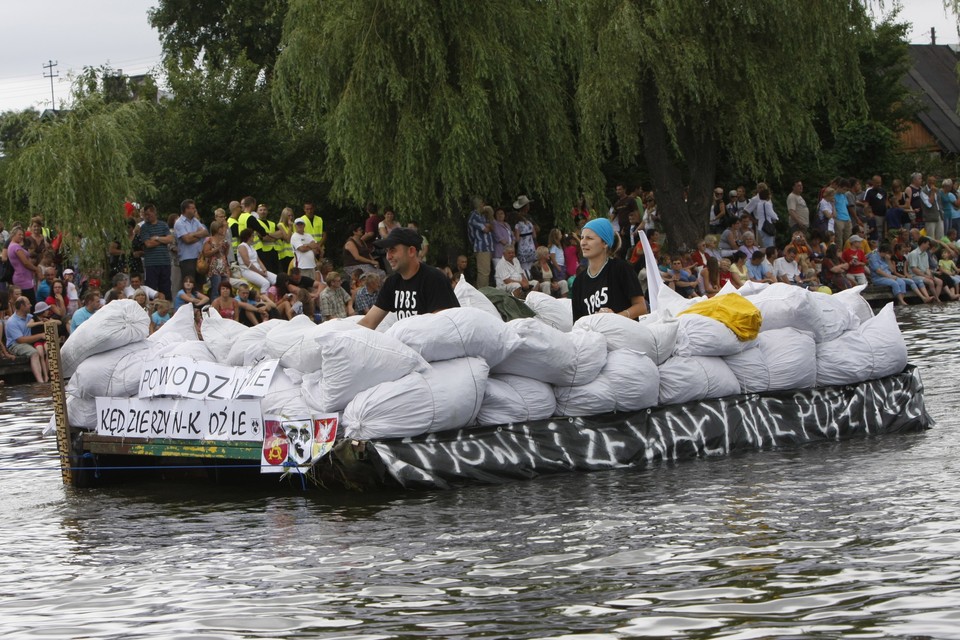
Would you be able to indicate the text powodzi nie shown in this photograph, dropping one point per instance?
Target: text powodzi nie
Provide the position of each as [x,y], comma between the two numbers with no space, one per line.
[182,398]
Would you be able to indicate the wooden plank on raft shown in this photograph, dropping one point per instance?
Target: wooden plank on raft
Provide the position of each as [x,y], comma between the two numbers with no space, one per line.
[218,450]
[52,333]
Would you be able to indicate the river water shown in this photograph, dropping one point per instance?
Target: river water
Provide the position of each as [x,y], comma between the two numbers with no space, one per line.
[853,539]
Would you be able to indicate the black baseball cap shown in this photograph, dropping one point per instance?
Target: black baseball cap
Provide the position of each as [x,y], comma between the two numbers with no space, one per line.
[400,235]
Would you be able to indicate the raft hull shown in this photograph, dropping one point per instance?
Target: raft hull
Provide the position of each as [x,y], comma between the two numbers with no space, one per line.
[561,445]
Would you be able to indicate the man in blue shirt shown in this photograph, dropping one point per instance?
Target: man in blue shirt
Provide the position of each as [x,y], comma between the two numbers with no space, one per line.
[880,272]
[758,270]
[190,233]
[480,230]
[91,302]
[20,340]
[681,280]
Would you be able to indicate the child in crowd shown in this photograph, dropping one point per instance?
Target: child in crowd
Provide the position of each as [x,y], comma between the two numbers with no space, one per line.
[161,314]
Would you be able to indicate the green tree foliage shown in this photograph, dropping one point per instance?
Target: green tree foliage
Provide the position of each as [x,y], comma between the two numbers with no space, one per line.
[217,140]
[217,33]
[77,168]
[683,81]
[424,102]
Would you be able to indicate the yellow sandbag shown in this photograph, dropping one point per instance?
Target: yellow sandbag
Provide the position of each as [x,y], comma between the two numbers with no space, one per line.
[736,312]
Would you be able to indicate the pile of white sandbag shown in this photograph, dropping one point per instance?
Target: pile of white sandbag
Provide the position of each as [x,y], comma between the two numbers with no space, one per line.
[464,367]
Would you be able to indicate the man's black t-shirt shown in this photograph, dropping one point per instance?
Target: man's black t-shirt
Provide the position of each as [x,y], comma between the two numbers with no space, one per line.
[427,291]
[622,209]
[876,198]
[614,288]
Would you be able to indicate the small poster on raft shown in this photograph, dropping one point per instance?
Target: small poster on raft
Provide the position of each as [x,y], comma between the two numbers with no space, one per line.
[296,443]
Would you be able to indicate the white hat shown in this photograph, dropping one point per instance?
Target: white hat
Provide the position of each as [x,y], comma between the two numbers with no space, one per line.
[68,272]
[41,307]
[300,221]
[856,239]
[521,202]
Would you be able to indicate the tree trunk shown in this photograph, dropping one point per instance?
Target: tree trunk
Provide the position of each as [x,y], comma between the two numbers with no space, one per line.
[684,222]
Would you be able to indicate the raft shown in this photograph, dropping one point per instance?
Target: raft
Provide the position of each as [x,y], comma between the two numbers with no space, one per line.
[488,455]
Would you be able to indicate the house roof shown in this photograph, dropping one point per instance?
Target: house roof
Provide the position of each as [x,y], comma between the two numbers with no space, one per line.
[934,77]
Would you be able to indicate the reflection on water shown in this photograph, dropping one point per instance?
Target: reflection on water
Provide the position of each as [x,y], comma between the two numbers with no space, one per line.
[857,538]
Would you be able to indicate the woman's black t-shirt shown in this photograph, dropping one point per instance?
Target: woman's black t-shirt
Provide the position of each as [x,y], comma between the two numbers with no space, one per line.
[614,288]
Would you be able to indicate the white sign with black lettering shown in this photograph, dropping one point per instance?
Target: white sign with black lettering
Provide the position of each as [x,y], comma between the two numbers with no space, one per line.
[181,377]
[180,418]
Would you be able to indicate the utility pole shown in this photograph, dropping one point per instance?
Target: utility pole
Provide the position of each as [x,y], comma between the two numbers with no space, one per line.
[50,65]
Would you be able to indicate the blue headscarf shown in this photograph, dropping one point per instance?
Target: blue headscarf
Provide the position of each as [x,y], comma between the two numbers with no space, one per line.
[603,228]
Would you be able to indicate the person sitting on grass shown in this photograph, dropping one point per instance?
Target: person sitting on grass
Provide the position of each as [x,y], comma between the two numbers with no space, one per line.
[161,314]
[335,302]
[225,304]
[679,279]
[511,277]
[189,294]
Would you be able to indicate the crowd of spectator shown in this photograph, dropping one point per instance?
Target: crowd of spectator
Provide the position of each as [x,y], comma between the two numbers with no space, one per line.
[250,267]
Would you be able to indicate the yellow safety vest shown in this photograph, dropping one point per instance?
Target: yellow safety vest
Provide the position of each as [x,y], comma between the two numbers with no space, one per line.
[266,245]
[314,227]
[242,222]
[284,248]
[234,226]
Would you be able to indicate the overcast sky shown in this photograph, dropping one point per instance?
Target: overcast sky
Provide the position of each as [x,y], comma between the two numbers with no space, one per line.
[79,33]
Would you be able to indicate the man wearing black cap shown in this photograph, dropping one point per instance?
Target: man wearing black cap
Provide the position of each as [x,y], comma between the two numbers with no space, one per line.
[415,287]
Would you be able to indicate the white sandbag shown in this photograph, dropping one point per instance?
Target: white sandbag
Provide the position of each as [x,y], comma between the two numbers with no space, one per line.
[354,361]
[283,398]
[874,350]
[656,338]
[182,327]
[544,353]
[728,287]
[468,296]
[629,381]
[886,342]
[671,303]
[699,335]
[391,319]
[295,344]
[511,399]
[81,412]
[446,396]
[111,373]
[686,379]
[835,315]
[855,302]
[784,305]
[114,325]
[784,359]
[219,333]
[460,332]
[250,346]
[197,350]
[556,312]
[748,288]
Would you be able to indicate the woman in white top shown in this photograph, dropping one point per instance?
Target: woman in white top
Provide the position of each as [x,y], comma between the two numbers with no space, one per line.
[251,269]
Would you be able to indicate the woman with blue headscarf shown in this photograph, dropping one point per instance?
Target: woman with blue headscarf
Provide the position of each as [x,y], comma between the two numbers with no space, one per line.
[608,284]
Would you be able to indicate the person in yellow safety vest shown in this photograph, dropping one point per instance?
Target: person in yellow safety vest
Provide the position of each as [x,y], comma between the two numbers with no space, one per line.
[314,225]
[266,240]
[247,205]
[233,227]
[284,231]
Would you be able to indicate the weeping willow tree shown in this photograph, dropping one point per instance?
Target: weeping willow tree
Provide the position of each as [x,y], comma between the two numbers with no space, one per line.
[686,82]
[422,103]
[76,168]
